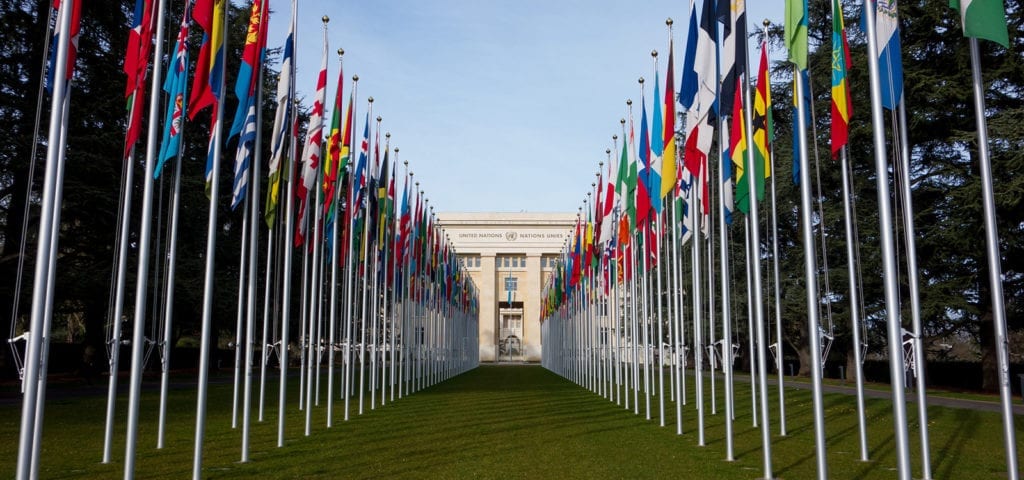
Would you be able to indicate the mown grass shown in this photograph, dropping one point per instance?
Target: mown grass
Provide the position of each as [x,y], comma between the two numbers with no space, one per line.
[503,422]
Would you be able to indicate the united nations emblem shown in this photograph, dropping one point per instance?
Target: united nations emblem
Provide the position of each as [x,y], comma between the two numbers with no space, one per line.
[510,236]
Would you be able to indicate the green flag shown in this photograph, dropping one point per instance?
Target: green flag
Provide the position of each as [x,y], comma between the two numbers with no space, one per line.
[983,19]
[796,32]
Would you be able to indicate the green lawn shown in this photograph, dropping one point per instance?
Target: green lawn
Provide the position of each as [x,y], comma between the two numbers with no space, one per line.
[502,422]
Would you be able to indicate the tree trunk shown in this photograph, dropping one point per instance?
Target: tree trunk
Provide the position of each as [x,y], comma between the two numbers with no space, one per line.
[804,352]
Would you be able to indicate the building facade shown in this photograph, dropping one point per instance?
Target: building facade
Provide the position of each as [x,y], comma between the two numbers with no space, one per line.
[509,256]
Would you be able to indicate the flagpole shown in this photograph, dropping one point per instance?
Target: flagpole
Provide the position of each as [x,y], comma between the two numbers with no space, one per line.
[851,268]
[775,273]
[698,346]
[332,316]
[679,352]
[350,270]
[172,255]
[888,246]
[50,282]
[723,259]
[994,263]
[755,414]
[914,284]
[253,250]
[755,265]
[211,242]
[240,307]
[265,348]
[142,273]
[286,247]
[810,273]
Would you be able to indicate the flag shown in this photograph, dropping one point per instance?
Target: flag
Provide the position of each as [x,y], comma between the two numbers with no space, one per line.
[890,58]
[738,153]
[841,103]
[59,36]
[245,89]
[209,76]
[727,193]
[700,120]
[668,160]
[175,85]
[358,180]
[332,164]
[733,16]
[797,160]
[763,125]
[312,151]
[382,200]
[643,197]
[983,19]
[688,86]
[657,149]
[282,115]
[136,63]
[796,32]
[610,198]
[252,61]
[631,176]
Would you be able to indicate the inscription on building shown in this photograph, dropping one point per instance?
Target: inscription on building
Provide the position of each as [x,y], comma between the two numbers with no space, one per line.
[509,236]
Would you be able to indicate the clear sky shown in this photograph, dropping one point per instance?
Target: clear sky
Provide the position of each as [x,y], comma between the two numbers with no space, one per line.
[502,105]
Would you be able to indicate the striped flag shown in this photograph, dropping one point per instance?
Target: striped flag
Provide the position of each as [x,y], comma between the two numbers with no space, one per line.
[668,159]
[206,85]
[700,120]
[657,149]
[983,19]
[643,197]
[312,151]
[332,161]
[245,89]
[841,103]
[176,86]
[136,63]
[58,36]
[278,145]
[795,31]
[688,86]
[890,58]
[763,126]
[739,155]
[733,16]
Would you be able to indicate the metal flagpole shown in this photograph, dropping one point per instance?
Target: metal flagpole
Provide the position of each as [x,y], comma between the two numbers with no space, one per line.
[679,355]
[286,246]
[635,327]
[915,296]
[723,258]
[265,348]
[37,436]
[851,268]
[142,273]
[333,312]
[698,345]
[208,281]
[50,210]
[254,237]
[350,270]
[755,265]
[888,245]
[994,263]
[661,343]
[810,272]
[243,255]
[364,288]
[750,324]
[775,273]
[172,255]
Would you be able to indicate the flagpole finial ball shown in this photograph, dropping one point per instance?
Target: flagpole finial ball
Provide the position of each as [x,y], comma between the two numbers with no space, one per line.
[766,23]
[388,134]
[396,151]
[606,151]
[668,21]
[405,162]
[341,51]
[370,99]
[616,137]
[630,103]
[355,78]
[378,116]
[654,53]
[641,80]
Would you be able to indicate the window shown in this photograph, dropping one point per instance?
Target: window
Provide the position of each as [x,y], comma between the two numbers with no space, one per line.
[511,284]
[511,261]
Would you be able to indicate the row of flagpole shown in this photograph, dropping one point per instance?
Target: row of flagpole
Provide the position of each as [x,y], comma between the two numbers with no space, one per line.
[395,290]
[604,322]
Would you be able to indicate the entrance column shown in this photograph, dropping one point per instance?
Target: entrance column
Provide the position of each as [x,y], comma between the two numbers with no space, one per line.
[488,308]
[532,285]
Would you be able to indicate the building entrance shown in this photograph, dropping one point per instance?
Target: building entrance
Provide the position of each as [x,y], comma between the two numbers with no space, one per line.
[510,336]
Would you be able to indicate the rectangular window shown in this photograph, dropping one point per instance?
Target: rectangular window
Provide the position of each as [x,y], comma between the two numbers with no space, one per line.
[511,284]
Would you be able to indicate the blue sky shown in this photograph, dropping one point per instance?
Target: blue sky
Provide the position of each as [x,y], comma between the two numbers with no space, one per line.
[504,105]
